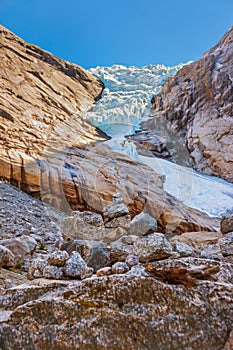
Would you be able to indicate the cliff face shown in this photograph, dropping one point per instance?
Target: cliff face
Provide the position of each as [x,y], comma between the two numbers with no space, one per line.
[195,108]
[40,95]
[48,150]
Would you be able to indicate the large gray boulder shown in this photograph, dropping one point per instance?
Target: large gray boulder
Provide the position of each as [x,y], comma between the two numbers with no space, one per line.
[76,267]
[152,247]
[121,248]
[95,253]
[83,225]
[143,224]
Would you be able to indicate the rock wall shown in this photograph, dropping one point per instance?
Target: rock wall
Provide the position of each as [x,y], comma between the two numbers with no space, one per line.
[41,97]
[194,113]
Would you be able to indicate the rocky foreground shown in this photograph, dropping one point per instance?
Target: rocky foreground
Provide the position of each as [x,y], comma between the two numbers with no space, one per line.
[109,282]
[191,119]
[119,264]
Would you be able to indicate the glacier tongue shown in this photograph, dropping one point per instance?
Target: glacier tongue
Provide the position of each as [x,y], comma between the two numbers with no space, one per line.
[125,103]
[126,98]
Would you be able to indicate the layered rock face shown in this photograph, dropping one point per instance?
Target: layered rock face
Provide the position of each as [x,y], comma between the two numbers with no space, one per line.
[194,112]
[41,98]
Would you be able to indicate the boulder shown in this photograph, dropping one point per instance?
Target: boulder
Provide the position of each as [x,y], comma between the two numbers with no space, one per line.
[182,249]
[58,258]
[226,224]
[7,258]
[75,267]
[121,248]
[104,271]
[152,247]
[18,246]
[226,244]
[143,224]
[120,267]
[53,272]
[83,225]
[116,214]
[95,253]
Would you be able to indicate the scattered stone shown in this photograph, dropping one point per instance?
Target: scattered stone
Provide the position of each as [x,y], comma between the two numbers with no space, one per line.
[95,253]
[116,214]
[122,221]
[226,223]
[36,268]
[121,248]
[114,234]
[105,271]
[83,225]
[226,244]
[53,272]
[120,267]
[182,249]
[76,267]
[138,270]
[152,247]
[7,258]
[58,258]
[132,260]
[143,224]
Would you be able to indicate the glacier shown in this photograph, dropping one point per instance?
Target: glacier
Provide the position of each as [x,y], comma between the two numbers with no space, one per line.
[125,103]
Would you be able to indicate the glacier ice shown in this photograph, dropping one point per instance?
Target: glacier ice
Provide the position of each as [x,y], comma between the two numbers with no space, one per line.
[125,103]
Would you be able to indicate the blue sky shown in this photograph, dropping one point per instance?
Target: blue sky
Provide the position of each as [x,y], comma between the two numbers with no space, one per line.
[130,32]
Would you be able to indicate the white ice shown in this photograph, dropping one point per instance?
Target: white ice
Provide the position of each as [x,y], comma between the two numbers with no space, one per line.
[124,105]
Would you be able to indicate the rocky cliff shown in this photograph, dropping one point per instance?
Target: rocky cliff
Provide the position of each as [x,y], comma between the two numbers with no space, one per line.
[38,93]
[194,113]
[50,151]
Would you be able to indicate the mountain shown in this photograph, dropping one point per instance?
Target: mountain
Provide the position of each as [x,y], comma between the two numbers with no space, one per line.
[49,150]
[192,117]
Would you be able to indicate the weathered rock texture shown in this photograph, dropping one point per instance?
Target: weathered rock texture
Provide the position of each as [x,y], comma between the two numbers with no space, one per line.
[41,97]
[195,108]
[116,312]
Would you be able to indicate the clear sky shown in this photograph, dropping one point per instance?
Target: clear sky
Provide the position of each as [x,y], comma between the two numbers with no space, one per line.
[130,32]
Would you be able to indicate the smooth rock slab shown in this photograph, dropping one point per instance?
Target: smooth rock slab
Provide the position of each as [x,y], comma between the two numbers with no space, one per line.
[152,247]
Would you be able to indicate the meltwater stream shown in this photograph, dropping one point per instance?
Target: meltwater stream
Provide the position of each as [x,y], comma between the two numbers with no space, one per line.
[124,105]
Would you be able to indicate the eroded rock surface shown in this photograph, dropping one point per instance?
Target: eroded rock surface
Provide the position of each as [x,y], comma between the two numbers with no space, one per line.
[194,112]
[117,312]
